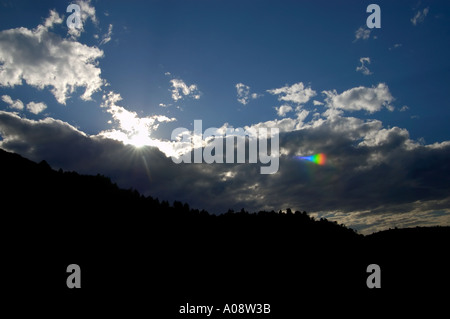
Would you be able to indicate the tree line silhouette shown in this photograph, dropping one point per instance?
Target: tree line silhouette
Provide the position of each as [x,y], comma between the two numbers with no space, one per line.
[125,243]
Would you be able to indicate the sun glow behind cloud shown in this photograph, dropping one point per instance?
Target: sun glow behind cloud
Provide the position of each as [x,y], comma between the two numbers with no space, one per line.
[132,129]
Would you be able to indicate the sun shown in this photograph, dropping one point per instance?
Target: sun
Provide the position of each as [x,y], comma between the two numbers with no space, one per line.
[139,140]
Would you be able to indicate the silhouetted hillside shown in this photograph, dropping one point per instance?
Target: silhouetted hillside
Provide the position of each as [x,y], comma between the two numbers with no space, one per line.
[131,246]
[95,199]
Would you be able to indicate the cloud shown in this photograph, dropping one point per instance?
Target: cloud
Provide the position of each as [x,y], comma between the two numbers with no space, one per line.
[404,108]
[179,88]
[33,107]
[87,12]
[243,94]
[362,33]
[36,107]
[131,129]
[374,176]
[54,18]
[420,16]
[317,103]
[43,59]
[107,37]
[282,110]
[14,104]
[296,93]
[363,68]
[361,98]
[301,116]
[146,168]
[286,124]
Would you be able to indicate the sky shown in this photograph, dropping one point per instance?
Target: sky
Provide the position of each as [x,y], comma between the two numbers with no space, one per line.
[106,97]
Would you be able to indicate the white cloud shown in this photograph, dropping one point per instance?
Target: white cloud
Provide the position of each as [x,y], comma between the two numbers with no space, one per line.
[301,116]
[33,107]
[54,18]
[14,104]
[180,88]
[43,59]
[296,93]
[284,125]
[107,37]
[243,94]
[361,98]
[317,103]
[131,129]
[36,107]
[363,67]
[420,16]
[283,109]
[357,151]
[362,33]
[87,11]
[404,108]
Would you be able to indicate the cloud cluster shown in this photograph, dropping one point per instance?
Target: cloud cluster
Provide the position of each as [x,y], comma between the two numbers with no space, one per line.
[362,33]
[180,89]
[53,18]
[243,94]
[43,59]
[363,67]
[131,129]
[14,104]
[370,99]
[36,107]
[373,175]
[33,107]
[283,109]
[296,93]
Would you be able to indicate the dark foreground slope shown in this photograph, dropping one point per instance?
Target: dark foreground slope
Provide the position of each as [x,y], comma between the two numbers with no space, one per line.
[138,254]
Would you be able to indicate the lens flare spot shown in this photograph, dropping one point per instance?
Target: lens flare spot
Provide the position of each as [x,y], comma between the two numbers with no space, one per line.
[319,159]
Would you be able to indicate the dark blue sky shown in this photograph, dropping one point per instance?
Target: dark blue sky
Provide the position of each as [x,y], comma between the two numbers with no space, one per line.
[265,45]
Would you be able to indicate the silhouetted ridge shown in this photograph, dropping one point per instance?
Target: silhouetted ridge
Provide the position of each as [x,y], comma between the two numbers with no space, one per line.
[98,195]
[58,218]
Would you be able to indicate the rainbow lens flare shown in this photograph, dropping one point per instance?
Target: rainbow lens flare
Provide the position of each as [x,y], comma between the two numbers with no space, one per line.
[319,159]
